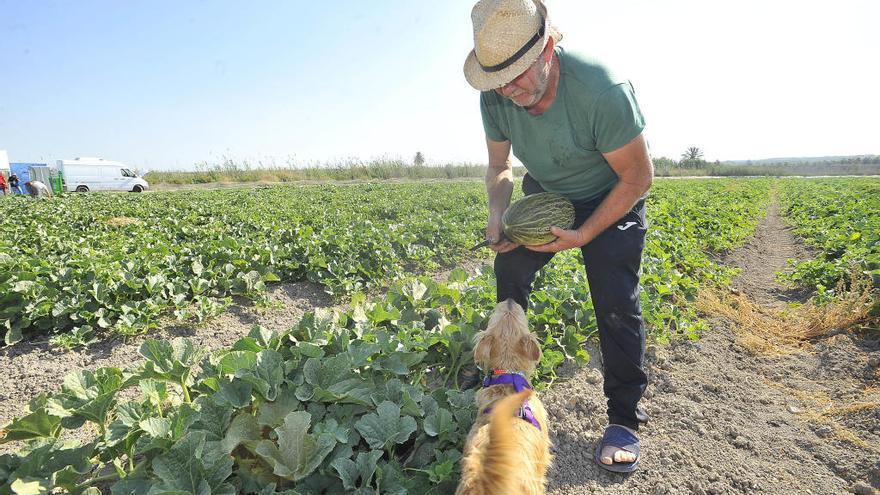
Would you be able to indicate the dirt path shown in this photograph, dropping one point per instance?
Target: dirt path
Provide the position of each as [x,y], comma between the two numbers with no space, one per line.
[724,421]
[765,254]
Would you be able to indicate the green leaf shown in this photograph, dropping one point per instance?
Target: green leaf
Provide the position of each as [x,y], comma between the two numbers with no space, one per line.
[457,275]
[350,472]
[410,407]
[415,290]
[12,334]
[266,338]
[267,375]
[192,466]
[154,390]
[334,429]
[334,380]
[393,481]
[49,464]
[461,399]
[400,363]
[385,427]
[184,417]
[38,424]
[310,350]
[33,487]
[213,418]
[170,361]
[361,352]
[297,453]
[131,486]
[156,427]
[233,361]
[86,396]
[130,413]
[243,430]
[441,472]
[440,422]
[236,393]
[197,268]
[272,414]
[305,392]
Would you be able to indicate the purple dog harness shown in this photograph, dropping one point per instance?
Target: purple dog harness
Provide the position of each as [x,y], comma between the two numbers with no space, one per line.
[519,382]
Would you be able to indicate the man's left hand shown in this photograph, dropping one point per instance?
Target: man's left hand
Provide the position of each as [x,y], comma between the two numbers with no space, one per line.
[566,239]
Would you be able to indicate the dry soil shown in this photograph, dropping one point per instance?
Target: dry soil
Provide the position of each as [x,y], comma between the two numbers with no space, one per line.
[724,421]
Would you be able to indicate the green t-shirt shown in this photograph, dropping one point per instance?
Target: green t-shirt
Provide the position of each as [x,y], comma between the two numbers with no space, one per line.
[594,113]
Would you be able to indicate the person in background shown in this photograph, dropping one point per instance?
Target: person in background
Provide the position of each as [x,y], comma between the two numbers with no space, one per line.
[36,189]
[15,184]
[2,184]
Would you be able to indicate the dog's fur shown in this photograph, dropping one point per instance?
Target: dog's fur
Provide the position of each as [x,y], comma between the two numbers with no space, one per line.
[504,454]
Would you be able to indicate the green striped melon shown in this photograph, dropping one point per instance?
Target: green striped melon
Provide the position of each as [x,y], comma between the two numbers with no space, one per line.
[528,220]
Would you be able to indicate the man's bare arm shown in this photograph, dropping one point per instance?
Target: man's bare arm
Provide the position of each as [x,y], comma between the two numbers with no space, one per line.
[499,188]
[635,173]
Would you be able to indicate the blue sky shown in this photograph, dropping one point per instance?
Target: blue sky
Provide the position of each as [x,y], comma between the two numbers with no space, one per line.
[164,85]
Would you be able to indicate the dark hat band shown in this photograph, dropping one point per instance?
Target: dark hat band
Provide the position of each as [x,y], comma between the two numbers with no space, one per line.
[516,56]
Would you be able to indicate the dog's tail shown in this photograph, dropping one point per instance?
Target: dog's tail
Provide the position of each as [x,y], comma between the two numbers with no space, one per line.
[501,464]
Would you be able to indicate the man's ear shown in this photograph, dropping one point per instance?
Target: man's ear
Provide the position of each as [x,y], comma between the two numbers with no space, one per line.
[483,349]
[529,349]
[547,54]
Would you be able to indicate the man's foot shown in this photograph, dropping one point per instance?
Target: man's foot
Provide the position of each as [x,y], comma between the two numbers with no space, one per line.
[612,454]
[619,449]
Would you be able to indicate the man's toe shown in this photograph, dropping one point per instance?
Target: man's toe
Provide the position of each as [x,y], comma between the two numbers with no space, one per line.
[610,455]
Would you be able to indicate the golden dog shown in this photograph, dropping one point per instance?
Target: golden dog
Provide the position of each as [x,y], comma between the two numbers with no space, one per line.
[505,454]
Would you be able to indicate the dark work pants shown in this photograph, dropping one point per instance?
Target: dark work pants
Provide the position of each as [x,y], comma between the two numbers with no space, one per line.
[612,263]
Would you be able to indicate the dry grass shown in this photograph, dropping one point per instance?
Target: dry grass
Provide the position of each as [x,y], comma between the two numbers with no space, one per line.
[232,171]
[779,331]
[820,409]
[782,330]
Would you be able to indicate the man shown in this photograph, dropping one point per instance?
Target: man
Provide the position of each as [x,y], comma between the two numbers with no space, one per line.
[578,131]
[36,189]
[15,184]
[2,184]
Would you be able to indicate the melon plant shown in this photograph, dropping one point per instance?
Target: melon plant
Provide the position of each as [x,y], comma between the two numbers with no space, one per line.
[528,220]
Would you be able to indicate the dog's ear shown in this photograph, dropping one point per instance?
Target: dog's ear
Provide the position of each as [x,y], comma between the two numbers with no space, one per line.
[483,349]
[528,348]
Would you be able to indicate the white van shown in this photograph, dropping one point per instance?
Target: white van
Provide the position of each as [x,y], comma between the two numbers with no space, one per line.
[97,174]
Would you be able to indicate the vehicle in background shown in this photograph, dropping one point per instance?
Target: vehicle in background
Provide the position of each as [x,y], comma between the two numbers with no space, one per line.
[4,163]
[98,174]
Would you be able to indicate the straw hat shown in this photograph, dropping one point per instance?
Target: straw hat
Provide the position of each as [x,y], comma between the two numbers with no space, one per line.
[509,35]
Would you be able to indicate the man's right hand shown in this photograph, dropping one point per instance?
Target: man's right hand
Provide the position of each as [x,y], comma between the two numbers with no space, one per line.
[495,236]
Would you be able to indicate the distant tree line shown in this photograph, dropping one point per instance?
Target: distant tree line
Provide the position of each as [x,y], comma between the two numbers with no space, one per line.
[845,160]
[692,162]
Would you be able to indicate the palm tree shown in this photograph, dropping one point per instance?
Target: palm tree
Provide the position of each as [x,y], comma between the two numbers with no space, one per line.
[692,158]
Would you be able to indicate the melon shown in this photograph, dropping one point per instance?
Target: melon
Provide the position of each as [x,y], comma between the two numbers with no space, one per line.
[528,220]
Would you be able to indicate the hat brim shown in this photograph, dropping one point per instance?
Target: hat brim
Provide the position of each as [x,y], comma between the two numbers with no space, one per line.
[485,81]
